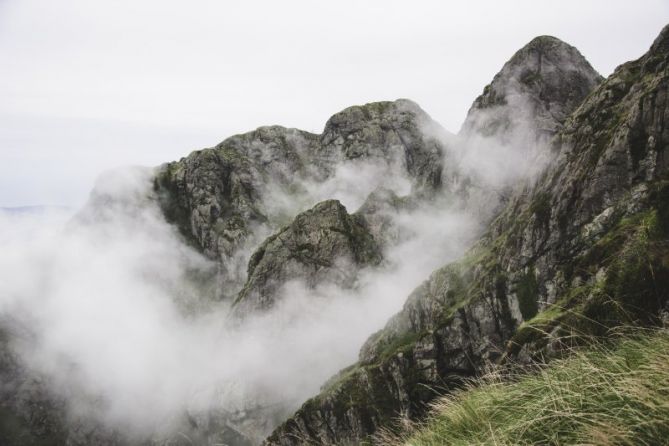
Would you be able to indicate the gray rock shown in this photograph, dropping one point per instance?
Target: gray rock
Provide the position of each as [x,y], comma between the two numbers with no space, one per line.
[324,245]
[220,200]
[215,196]
[534,92]
[390,132]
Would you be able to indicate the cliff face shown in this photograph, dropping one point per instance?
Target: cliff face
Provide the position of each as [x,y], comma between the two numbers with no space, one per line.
[506,134]
[583,249]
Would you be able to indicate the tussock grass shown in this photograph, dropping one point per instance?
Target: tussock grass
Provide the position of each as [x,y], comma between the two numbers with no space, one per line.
[608,394]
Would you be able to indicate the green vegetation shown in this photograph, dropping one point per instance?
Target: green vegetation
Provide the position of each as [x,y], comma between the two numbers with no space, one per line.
[618,281]
[400,344]
[633,255]
[611,393]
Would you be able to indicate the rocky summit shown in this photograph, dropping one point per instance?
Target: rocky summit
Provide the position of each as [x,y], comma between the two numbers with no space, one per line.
[534,92]
[566,254]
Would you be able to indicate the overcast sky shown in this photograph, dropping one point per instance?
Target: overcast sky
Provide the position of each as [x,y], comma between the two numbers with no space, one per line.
[87,85]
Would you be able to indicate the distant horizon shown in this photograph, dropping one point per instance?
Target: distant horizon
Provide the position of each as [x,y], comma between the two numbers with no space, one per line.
[30,207]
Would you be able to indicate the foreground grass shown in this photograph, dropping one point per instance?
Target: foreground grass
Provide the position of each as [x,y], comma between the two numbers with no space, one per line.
[608,395]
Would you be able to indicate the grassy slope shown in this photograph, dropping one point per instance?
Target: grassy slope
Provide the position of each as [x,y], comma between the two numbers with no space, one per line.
[603,395]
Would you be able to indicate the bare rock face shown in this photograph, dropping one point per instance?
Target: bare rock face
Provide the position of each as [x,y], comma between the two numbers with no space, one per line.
[378,210]
[215,196]
[534,92]
[389,132]
[581,250]
[324,245]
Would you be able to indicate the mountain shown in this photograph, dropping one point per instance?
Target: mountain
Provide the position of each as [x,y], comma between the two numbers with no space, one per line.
[581,250]
[574,242]
[535,91]
[228,198]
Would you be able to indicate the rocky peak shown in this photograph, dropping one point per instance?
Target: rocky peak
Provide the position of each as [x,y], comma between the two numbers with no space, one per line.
[591,234]
[322,245]
[661,43]
[655,61]
[390,132]
[535,91]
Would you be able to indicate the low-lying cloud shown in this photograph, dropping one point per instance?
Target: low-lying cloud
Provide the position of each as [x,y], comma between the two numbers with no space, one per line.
[122,325]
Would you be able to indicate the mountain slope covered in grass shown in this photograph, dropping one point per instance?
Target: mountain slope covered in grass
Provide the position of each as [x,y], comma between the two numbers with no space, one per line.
[614,393]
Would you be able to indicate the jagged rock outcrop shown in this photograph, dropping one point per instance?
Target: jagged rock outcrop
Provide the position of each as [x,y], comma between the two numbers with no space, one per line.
[324,245]
[534,92]
[378,212]
[582,250]
[595,235]
[222,198]
[389,132]
[215,195]
[507,130]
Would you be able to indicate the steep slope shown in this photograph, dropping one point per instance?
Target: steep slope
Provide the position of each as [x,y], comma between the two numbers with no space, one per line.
[609,393]
[584,249]
[588,239]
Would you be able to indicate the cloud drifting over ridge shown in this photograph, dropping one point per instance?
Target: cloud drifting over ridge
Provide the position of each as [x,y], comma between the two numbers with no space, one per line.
[119,328]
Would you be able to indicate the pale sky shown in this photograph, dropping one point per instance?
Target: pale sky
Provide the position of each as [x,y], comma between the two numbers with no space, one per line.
[88,85]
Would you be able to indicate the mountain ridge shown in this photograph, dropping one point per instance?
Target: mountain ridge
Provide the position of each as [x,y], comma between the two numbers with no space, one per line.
[482,309]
